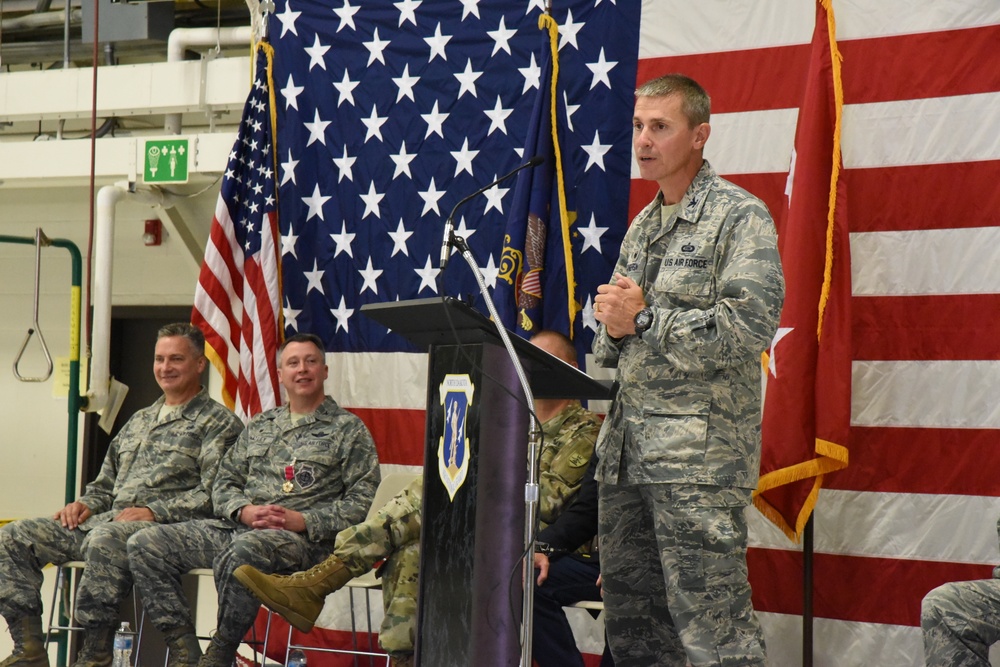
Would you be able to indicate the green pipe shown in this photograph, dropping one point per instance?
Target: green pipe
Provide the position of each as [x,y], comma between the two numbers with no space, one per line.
[73,408]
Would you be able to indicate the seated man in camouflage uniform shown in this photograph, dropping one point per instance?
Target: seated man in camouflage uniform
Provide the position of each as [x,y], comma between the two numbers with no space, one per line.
[961,621]
[296,476]
[158,469]
[394,532]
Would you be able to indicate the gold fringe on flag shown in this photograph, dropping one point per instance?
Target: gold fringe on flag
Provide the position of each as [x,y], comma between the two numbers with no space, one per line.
[838,107]
[546,22]
[830,455]
[272,110]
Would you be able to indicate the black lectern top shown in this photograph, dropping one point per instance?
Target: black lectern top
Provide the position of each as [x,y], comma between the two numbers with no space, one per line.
[448,321]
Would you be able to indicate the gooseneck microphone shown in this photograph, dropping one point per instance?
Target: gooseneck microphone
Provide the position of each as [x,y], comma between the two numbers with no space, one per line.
[449,225]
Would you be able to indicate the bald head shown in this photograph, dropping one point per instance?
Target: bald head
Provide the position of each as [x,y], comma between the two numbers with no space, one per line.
[555,344]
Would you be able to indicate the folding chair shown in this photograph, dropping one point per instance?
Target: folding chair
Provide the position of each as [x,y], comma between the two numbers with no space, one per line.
[64,607]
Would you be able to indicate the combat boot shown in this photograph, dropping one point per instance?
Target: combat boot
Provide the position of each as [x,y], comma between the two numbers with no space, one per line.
[219,654]
[97,645]
[185,649]
[298,597]
[29,643]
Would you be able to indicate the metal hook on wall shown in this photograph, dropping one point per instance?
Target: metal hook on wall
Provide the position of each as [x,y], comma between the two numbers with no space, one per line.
[40,239]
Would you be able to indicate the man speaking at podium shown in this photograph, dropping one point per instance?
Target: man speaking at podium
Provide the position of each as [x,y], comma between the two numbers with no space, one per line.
[694,301]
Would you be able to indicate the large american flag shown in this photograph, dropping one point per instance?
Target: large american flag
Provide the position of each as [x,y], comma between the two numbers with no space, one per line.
[362,216]
[388,114]
[236,302]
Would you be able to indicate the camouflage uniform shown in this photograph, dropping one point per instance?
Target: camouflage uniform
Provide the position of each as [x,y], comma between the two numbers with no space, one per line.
[960,621]
[680,450]
[394,532]
[567,445]
[165,466]
[335,475]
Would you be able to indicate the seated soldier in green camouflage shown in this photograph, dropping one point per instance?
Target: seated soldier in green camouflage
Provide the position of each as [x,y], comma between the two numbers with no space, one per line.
[159,469]
[394,532]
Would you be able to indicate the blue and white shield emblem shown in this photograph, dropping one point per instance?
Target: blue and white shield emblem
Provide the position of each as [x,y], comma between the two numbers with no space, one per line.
[453,447]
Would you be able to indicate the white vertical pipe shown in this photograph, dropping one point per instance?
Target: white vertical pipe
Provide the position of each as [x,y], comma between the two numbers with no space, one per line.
[104,234]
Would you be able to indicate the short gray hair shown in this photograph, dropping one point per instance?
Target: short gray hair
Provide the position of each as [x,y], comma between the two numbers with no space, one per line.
[696,104]
[192,333]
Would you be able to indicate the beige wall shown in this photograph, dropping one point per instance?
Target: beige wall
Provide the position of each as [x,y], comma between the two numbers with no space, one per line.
[33,440]
[33,443]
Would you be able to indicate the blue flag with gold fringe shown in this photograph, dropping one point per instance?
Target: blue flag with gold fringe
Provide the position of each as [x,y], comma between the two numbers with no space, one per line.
[536,283]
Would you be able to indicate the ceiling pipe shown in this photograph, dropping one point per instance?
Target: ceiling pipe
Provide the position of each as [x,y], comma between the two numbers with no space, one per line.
[181,39]
[40,21]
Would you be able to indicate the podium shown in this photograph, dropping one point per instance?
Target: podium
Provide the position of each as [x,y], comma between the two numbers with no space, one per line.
[475,467]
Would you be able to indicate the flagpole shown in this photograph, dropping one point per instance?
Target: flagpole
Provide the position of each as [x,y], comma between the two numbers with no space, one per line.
[807,593]
[534,441]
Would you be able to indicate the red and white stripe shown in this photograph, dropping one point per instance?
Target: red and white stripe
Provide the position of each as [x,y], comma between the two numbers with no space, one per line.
[918,504]
[237,305]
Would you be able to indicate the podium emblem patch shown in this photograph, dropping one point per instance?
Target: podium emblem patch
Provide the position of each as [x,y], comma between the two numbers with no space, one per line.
[453,447]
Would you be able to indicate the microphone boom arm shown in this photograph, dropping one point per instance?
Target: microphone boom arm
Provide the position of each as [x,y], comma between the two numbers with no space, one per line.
[449,226]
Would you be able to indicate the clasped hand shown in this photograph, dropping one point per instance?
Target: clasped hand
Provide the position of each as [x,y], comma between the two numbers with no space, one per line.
[272,517]
[72,515]
[617,303]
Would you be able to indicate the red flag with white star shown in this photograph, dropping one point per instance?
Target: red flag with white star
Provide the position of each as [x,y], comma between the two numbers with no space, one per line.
[807,407]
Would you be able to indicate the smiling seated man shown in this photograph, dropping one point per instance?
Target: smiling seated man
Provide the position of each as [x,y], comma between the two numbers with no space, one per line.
[158,470]
[297,475]
[569,434]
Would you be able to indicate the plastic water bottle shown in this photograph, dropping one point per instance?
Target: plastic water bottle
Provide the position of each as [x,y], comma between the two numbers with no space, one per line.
[123,646]
[296,658]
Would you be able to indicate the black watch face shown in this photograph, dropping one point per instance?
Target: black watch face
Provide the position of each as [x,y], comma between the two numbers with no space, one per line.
[643,319]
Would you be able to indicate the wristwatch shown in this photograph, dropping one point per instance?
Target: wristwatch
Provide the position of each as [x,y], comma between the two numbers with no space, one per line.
[643,320]
[545,549]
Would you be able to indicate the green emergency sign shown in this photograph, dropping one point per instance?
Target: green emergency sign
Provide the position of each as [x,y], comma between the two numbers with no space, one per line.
[166,161]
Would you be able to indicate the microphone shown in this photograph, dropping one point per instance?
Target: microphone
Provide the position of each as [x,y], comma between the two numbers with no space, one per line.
[449,225]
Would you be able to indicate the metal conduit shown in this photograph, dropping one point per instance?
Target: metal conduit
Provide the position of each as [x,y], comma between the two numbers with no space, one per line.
[73,408]
[73,396]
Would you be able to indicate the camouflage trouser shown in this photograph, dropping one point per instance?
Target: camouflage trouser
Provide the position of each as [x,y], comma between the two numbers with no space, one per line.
[399,596]
[673,566]
[28,545]
[960,621]
[160,556]
[393,533]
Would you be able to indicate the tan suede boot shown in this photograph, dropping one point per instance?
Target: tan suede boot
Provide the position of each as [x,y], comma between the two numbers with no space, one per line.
[185,650]
[298,597]
[219,654]
[29,644]
[97,647]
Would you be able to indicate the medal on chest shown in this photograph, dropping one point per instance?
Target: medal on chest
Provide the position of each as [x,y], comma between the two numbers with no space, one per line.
[288,487]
